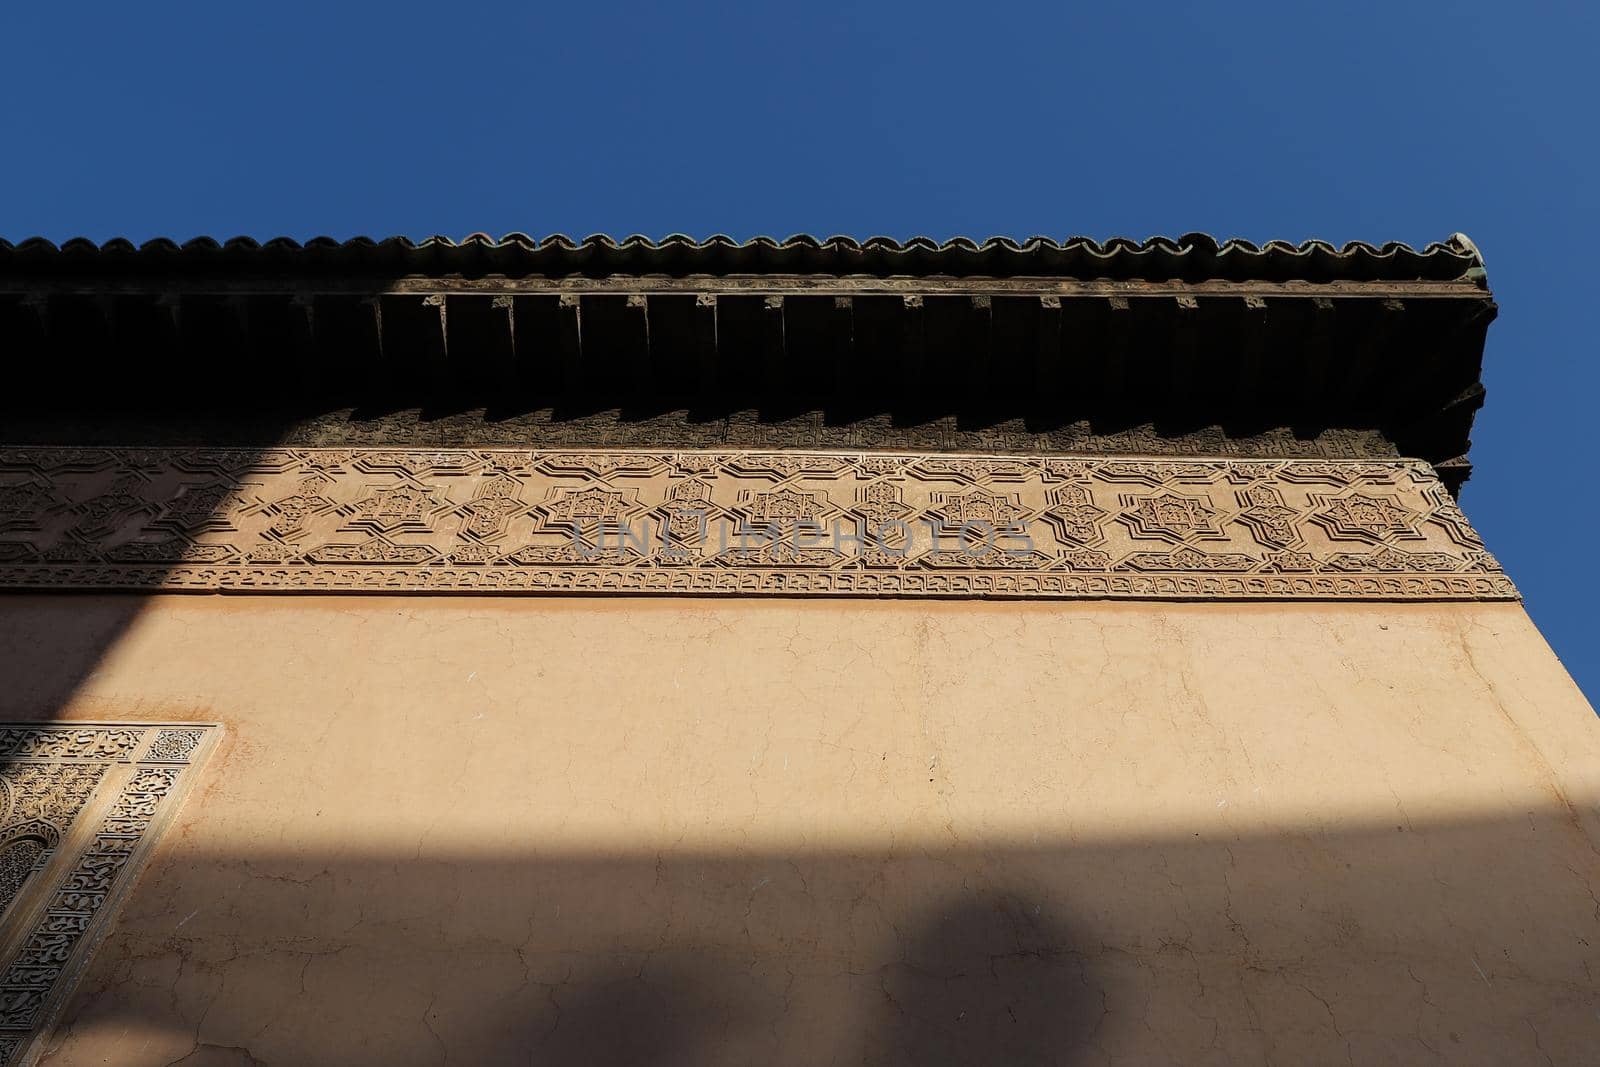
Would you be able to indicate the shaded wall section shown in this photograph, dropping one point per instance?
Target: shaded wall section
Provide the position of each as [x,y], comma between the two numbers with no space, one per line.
[566,830]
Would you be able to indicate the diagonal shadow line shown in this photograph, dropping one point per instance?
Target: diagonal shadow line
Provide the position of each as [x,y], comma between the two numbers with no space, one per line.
[66,664]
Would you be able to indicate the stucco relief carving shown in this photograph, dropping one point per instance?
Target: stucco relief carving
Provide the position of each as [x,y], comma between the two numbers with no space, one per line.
[1364,517]
[80,807]
[1172,516]
[735,522]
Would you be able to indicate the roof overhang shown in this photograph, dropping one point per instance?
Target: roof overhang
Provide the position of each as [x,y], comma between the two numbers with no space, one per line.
[1182,346]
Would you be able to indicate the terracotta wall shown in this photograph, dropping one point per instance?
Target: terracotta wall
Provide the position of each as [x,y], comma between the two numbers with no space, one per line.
[569,831]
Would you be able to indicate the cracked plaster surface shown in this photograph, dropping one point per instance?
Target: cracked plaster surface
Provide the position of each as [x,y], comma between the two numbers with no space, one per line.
[478,832]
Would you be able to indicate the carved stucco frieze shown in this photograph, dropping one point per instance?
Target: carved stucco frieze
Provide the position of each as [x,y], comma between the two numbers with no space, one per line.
[735,522]
[81,806]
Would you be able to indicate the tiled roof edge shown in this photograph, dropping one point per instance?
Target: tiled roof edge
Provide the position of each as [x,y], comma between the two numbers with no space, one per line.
[1192,256]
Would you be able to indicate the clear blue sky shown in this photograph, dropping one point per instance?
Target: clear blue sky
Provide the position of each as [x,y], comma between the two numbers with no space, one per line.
[1342,121]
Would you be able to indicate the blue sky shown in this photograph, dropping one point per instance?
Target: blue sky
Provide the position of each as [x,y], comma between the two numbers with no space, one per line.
[1349,121]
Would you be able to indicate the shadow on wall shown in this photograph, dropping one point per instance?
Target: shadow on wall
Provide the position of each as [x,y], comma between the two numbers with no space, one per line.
[65,664]
[1463,943]
[357,959]
[60,664]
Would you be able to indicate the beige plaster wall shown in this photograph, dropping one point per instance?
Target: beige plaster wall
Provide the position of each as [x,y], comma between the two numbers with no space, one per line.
[688,832]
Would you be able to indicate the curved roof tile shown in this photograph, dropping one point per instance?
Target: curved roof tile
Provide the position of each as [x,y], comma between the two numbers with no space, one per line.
[1193,256]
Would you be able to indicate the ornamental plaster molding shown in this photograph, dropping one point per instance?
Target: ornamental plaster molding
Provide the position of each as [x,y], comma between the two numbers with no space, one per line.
[735,522]
[81,807]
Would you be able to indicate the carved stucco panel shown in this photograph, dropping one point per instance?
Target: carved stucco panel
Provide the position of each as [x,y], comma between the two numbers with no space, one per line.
[735,522]
[81,807]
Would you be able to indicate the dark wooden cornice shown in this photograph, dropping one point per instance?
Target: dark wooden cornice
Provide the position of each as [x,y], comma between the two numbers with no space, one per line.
[1386,343]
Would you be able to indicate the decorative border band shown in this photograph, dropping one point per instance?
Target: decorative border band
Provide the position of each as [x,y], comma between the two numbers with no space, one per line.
[734,523]
[81,806]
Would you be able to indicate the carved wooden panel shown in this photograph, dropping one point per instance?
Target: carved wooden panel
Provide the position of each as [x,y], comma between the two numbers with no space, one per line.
[735,522]
[81,805]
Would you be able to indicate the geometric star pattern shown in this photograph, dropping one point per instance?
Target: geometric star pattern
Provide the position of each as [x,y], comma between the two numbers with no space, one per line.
[734,522]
